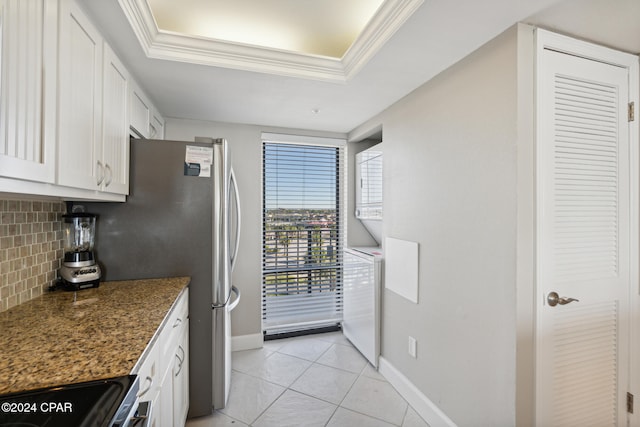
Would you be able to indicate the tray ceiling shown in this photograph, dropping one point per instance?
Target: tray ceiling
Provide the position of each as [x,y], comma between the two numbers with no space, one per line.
[435,36]
[324,40]
[326,28]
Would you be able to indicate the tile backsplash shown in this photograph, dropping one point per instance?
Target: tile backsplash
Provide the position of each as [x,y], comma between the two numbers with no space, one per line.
[30,248]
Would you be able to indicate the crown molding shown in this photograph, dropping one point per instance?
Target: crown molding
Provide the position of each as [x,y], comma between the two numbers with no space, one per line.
[391,15]
[160,44]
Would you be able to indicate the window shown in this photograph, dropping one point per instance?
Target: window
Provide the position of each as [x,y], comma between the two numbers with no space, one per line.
[302,237]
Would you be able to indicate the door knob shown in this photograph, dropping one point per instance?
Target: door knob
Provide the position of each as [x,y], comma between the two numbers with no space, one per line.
[554,299]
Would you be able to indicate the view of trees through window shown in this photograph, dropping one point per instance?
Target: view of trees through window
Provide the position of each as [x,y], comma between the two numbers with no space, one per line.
[301,236]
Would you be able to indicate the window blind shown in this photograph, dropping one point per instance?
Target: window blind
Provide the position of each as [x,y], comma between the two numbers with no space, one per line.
[302,237]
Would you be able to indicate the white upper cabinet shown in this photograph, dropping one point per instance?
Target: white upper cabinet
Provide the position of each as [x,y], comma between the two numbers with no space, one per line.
[140,112]
[28,39]
[146,121]
[93,149]
[115,124]
[67,104]
[156,126]
[80,100]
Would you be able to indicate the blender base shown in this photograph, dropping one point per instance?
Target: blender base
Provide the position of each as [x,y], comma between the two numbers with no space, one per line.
[76,278]
[69,286]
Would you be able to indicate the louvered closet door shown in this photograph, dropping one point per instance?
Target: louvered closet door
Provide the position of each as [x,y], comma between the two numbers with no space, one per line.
[583,242]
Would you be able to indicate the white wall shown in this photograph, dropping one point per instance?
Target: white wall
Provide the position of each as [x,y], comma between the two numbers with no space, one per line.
[450,171]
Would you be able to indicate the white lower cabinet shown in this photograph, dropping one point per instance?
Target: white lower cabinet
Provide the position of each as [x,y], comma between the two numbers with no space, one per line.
[149,382]
[180,378]
[165,408]
[164,371]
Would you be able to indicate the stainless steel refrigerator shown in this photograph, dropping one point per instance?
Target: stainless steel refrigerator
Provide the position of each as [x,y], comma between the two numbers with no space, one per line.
[181,218]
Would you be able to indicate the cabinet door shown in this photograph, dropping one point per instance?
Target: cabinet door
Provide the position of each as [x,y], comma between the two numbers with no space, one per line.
[115,124]
[156,127]
[155,421]
[149,377]
[181,378]
[28,38]
[140,112]
[165,404]
[80,56]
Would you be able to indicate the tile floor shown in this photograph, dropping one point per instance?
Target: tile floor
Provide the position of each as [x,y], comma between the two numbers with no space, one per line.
[317,380]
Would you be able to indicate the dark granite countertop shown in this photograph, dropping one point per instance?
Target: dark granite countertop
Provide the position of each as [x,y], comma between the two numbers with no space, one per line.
[69,337]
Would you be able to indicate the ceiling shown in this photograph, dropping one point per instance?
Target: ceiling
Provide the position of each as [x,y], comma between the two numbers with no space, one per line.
[404,44]
[327,27]
[328,40]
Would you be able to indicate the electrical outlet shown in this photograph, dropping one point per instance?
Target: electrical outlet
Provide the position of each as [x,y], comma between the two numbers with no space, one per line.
[413,347]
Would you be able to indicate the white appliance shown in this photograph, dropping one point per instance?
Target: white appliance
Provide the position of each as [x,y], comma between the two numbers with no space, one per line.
[369,190]
[362,286]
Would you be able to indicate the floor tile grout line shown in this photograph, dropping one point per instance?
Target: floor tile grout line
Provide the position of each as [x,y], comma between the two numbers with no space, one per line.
[338,405]
[268,407]
[312,363]
[269,381]
[286,388]
[362,413]
[319,398]
[333,343]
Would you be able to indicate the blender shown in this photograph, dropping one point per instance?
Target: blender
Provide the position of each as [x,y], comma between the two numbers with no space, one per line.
[79,268]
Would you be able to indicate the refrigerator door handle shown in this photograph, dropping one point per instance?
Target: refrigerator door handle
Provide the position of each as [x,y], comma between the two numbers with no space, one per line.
[233,183]
[235,302]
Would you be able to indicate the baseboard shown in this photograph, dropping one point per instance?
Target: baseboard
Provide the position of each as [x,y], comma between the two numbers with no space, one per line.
[246,342]
[418,401]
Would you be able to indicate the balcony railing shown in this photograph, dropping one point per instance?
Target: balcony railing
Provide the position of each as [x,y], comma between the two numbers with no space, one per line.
[302,274]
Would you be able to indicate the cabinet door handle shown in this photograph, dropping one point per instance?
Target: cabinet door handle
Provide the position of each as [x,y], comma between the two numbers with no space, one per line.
[149,381]
[177,322]
[100,173]
[179,367]
[109,174]
[180,360]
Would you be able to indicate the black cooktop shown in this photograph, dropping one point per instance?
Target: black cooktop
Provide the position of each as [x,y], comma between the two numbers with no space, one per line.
[89,404]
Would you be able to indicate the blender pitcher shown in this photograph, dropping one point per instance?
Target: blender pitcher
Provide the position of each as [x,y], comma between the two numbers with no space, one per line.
[79,231]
